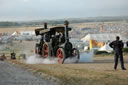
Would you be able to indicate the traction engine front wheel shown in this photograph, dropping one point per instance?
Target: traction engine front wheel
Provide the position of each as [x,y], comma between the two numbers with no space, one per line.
[76,54]
[45,50]
[36,49]
[60,54]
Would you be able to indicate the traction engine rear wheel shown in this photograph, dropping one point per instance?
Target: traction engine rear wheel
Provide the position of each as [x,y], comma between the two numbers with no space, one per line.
[76,54]
[60,55]
[45,50]
[36,49]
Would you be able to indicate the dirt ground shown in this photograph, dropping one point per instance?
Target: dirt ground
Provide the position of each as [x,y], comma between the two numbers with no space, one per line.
[14,75]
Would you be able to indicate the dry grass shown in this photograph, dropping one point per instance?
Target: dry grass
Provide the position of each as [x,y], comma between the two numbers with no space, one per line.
[96,73]
[100,72]
[13,29]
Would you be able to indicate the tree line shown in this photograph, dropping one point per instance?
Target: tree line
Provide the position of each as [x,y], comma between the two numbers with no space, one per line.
[61,21]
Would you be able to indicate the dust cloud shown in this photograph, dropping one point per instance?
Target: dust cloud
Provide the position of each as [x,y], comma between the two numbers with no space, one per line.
[36,59]
[84,58]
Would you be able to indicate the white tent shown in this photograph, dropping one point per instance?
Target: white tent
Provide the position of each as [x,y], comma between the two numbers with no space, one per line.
[104,37]
[27,33]
[106,48]
[14,33]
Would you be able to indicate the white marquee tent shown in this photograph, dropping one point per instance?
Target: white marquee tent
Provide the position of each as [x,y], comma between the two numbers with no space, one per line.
[23,33]
[105,37]
[106,48]
[14,33]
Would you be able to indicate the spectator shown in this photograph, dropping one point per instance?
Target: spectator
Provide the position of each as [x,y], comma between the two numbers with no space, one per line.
[117,46]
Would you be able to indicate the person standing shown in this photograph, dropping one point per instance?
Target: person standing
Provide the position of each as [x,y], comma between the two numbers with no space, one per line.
[117,46]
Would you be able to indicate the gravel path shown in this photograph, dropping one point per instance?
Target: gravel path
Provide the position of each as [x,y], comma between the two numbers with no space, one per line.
[12,75]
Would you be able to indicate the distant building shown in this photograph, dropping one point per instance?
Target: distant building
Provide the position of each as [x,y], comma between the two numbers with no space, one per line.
[101,28]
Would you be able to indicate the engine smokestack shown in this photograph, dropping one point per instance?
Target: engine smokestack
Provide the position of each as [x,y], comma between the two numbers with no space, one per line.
[45,25]
[66,23]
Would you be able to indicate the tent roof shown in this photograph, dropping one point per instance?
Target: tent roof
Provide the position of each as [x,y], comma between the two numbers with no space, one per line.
[103,37]
[14,33]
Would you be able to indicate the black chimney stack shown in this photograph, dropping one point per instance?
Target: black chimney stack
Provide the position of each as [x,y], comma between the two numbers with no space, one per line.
[45,25]
[66,23]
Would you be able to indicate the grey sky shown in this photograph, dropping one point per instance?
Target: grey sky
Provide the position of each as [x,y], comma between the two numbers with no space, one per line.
[52,9]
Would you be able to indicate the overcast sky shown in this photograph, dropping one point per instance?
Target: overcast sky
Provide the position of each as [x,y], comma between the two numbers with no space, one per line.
[58,9]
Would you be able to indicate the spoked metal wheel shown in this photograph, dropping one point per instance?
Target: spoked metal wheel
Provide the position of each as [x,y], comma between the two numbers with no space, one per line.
[45,50]
[60,54]
[36,49]
[76,54]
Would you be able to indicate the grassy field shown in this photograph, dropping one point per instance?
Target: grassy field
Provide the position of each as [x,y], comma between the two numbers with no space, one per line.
[99,72]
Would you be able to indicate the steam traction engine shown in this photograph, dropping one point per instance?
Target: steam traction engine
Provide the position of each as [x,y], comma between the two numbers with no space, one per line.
[55,43]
